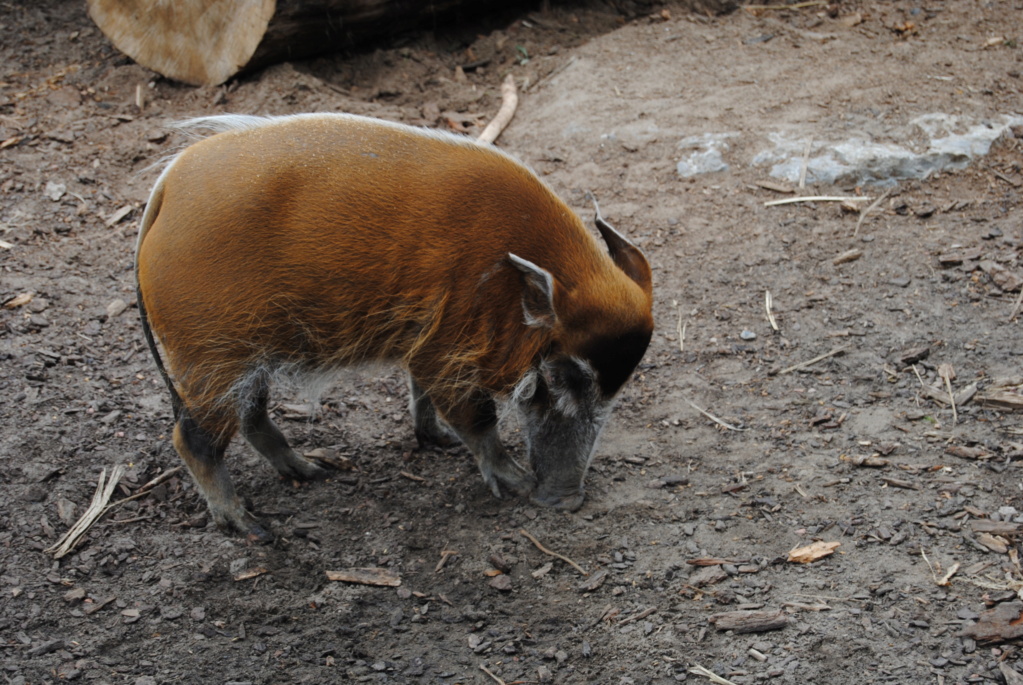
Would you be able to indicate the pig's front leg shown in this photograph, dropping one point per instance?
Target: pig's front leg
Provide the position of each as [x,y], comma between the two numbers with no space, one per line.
[475,421]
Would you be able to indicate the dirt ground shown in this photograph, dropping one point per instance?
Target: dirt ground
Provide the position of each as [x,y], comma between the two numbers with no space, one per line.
[860,448]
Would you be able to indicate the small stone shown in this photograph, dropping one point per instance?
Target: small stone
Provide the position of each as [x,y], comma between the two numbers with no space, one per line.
[900,281]
[116,307]
[967,614]
[587,649]
[54,191]
[197,614]
[75,595]
[748,335]
[502,583]
[171,613]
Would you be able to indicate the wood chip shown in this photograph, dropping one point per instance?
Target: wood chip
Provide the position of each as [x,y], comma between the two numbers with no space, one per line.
[707,575]
[995,527]
[119,215]
[996,544]
[968,452]
[898,483]
[250,573]
[366,576]
[1004,622]
[19,300]
[873,461]
[749,621]
[593,582]
[714,561]
[813,552]
[847,256]
[783,188]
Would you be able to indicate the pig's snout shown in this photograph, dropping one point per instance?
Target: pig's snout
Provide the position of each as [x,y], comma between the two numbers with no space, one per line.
[560,500]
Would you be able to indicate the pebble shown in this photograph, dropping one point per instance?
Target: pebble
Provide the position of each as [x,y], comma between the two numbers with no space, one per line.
[502,582]
[748,335]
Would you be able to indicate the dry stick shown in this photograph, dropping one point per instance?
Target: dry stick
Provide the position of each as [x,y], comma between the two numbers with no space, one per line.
[794,6]
[805,164]
[445,554]
[523,532]
[952,400]
[815,198]
[509,101]
[144,490]
[713,677]
[681,329]
[1015,309]
[104,489]
[873,205]
[811,362]
[549,76]
[714,418]
[489,673]
[768,301]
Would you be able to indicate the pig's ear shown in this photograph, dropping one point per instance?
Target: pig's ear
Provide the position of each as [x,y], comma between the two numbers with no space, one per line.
[626,256]
[537,293]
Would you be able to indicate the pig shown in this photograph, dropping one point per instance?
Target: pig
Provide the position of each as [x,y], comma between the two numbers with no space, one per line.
[292,247]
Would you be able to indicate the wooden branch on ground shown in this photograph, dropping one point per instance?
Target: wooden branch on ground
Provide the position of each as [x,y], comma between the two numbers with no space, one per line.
[509,103]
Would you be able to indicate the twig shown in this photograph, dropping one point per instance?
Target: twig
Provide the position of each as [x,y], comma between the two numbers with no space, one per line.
[794,6]
[1011,181]
[551,75]
[945,373]
[811,362]
[681,328]
[144,490]
[805,164]
[412,476]
[710,675]
[1015,309]
[445,554]
[523,532]
[873,205]
[491,674]
[104,489]
[944,580]
[768,301]
[638,617]
[714,418]
[509,101]
[815,198]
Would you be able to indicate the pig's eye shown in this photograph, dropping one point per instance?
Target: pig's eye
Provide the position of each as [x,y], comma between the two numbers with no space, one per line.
[570,381]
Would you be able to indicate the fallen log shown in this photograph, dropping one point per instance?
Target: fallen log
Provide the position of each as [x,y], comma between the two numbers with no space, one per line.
[206,42]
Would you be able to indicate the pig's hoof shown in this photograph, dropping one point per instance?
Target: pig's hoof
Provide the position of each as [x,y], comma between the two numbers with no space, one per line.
[243,523]
[296,467]
[436,434]
[570,502]
[509,477]
[258,535]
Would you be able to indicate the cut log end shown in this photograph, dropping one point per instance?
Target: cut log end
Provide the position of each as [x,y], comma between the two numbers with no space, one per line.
[199,42]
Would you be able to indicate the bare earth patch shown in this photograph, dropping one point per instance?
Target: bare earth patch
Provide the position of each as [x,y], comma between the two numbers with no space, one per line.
[889,466]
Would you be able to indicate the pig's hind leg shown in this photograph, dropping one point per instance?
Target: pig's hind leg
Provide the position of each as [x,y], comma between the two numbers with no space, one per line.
[202,449]
[266,438]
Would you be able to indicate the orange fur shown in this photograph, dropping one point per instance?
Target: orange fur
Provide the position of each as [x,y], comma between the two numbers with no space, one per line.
[308,243]
[326,241]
